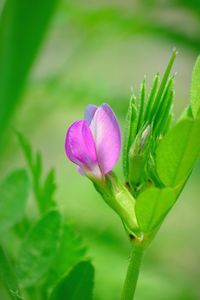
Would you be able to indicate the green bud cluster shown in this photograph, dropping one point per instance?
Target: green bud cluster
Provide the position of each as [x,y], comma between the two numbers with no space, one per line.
[148,119]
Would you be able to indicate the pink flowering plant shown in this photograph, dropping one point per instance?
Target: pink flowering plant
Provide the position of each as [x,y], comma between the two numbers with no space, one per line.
[41,255]
[158,157]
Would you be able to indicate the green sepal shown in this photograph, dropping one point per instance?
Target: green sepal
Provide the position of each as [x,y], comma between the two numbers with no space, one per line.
[153,177]
[118,197]
[137,170]
[130,132]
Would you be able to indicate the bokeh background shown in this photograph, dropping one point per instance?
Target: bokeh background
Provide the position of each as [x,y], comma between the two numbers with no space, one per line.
[58,56]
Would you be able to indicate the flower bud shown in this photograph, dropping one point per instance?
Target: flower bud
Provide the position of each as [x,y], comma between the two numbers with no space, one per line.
[138,157]
[94,144]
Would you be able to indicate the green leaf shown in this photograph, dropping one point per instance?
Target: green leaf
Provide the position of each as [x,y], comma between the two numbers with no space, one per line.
[162,87]
[38,250]
[151,98]
[187,113]
[47,192]
[160,119]
[44,191]
[195,89]
[130,132]
[141,105]
[37,167]
[70,251]
[178,152]
[22,27]
[7,276]
[26,147]
[138,158]
[77,285]
[13,196]
[152,206]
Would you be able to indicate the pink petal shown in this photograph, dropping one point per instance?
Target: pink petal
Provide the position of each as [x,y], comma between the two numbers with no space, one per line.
[81,171]
[80,146]
[89,112]
[106,134]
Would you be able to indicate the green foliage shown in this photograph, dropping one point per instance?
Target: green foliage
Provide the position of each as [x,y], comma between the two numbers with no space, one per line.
[151,98]
[187,113]
[7,277]
[152,206]
[94,19]
[177,153]
[38,250]
[70,251]
[47,251]
[144,131]
[13,197]
[97,21]
[22,28]
[141,105]
[160,157]
[160,120]
[195,89]
[43,190]
[159,96]
[130,132]
[138,157]
[77,285]
[51,248]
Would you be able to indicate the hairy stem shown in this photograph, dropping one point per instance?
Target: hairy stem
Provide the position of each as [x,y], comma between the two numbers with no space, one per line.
[132,272]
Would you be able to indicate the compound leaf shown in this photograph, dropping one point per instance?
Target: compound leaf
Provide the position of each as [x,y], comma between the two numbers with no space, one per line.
[13,196]
[70,252]
[38,250]
[7,276]
[77,285]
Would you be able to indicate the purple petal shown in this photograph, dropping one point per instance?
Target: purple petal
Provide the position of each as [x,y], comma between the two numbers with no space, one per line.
[89,112]
[106,133]
[80,146]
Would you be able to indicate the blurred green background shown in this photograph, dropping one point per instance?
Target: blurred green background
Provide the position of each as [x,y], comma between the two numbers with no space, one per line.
[94,52]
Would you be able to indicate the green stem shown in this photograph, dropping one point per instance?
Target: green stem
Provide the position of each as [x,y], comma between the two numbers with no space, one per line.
[132,272]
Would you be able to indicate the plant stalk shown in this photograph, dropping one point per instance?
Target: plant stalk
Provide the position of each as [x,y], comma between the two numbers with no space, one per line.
[131,279]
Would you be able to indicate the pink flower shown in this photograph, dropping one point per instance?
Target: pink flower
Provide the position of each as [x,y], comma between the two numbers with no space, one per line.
[94,143]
